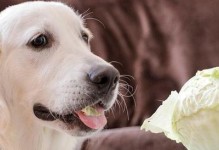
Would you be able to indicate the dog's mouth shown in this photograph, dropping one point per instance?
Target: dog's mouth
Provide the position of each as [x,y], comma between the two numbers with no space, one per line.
[92,116]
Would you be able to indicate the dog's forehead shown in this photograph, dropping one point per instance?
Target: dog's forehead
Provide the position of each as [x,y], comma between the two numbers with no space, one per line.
[39,13]
[40,9]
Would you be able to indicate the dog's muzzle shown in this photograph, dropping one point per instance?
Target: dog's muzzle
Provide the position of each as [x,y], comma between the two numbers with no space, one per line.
[103,80]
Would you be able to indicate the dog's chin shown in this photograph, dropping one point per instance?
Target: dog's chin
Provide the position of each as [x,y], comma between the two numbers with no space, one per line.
[74,123]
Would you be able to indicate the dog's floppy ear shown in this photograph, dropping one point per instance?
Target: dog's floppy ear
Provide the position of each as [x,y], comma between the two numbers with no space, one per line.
[4,111]
[4,115]
[4,122]
[0,36]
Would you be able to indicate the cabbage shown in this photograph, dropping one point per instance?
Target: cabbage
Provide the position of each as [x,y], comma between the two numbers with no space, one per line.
[90,111]
[192,115]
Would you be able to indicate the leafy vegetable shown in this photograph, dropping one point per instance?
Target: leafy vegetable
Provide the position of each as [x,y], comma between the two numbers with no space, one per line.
[192,115]
[90,111]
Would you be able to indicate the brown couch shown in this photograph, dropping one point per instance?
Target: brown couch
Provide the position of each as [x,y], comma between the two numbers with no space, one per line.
[161,44]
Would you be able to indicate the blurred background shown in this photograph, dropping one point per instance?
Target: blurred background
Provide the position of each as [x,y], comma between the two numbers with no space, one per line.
[157,45]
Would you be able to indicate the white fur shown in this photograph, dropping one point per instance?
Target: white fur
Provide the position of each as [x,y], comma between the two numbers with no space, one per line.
[28,76]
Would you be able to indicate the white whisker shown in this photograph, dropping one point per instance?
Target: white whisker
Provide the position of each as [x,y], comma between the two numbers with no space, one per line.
[91,18]
[85,15]
[126,108]
[85,12]
[116,62]
[127,77]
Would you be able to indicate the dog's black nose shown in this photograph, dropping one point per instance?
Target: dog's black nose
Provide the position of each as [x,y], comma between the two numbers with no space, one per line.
[104,77]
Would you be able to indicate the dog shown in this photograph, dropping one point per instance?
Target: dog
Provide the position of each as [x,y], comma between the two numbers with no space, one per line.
[48,76]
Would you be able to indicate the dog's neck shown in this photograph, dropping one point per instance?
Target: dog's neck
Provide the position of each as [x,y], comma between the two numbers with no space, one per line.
[24,135]
[43,139]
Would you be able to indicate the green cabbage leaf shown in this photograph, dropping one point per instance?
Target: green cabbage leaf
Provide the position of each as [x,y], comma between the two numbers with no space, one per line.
[192,115]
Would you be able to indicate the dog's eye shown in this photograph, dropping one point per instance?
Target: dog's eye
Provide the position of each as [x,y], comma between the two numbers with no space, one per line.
[40,41]
[85,37]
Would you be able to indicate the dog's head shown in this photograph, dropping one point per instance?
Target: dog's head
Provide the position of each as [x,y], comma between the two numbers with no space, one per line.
[48,74]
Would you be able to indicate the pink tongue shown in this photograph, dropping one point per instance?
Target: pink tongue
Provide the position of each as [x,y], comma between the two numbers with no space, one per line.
[94,122]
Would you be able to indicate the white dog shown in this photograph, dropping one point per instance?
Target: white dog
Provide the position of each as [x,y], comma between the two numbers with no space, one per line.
[48,75]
